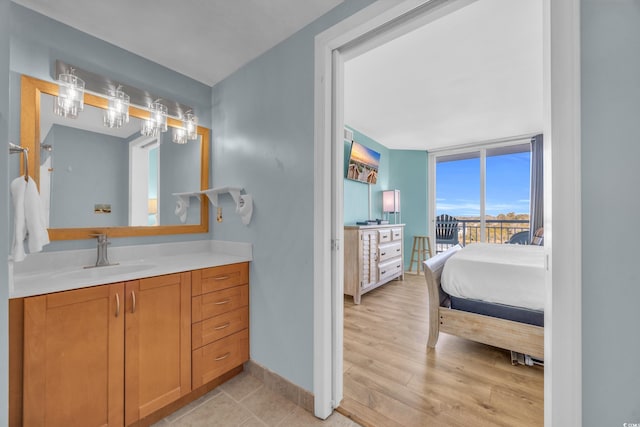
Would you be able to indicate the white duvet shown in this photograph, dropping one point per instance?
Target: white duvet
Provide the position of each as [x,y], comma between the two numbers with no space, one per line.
[499,273]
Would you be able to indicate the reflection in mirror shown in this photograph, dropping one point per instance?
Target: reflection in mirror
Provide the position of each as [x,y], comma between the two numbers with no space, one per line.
[111,177]
[114,180]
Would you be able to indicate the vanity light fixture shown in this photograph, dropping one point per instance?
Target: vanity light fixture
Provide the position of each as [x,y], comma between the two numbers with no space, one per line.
[157,121]
[117,112]
[188,131]
[70,99]
[179,136]
[191,126]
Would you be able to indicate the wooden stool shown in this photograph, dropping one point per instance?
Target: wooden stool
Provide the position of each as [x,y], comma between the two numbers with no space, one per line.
[420,249]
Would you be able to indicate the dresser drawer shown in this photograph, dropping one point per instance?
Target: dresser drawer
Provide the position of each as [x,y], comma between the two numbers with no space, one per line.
[215,328]
[389,269]
[216,303]
[213,360]
[396,234]
[217,278]
[389,250]
[384,235]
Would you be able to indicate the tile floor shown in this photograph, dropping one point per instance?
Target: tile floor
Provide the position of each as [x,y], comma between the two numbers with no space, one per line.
[245,401]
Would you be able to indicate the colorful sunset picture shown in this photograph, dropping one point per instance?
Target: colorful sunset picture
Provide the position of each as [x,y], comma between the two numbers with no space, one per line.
[363,164]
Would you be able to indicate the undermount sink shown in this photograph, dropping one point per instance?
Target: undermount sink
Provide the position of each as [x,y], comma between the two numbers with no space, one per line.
[104,271]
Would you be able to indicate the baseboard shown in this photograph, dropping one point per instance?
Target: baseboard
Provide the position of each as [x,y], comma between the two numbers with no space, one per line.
[282,386]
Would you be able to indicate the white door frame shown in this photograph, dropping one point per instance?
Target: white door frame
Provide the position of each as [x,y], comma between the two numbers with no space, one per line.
[561,85]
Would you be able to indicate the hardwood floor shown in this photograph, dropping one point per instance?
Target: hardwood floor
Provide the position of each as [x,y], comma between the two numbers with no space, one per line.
[390,379]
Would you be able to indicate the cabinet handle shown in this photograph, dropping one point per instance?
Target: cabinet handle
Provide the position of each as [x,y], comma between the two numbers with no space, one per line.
[226,325]
[383,253]
[227,301]
[384,271]
[221,278]
[133,302]
[222,357]
[117,305]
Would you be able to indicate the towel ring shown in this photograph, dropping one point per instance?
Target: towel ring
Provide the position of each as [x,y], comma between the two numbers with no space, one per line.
[13,149]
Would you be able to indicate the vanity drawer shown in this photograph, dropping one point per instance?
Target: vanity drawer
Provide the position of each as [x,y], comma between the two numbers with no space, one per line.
[396,234]
[216,303]
[215,328]
[213,360]
[217,278]
[389,250]
[384,235]
[390,269]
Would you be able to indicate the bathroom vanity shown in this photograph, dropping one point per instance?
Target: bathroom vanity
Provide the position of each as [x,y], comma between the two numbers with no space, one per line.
[126,346]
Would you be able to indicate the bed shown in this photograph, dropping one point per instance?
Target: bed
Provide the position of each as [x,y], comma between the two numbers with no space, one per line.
[489,293]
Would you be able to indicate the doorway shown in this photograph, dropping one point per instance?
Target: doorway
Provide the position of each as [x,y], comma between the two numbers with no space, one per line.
[562,343]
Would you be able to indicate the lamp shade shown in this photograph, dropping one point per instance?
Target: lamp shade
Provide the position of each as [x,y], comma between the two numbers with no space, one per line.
[391,201]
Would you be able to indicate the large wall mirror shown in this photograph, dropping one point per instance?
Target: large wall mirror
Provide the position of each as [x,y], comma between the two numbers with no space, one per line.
[95,179]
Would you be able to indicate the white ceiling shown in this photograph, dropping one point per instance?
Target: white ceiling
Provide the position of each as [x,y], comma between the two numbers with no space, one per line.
[205,40]
[474,75]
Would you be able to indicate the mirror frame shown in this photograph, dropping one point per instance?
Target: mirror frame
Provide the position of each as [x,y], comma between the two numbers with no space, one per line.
[31,90]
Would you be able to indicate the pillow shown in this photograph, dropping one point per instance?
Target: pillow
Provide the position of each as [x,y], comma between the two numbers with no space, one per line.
[538,237]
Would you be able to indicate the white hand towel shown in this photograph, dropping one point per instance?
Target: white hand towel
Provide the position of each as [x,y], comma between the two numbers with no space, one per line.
[245,208]
[182,205]
[28,218]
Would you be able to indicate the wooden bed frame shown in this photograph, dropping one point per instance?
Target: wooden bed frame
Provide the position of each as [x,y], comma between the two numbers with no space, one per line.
[507,334]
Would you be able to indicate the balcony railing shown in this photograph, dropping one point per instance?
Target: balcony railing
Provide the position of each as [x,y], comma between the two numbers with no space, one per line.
[497,231]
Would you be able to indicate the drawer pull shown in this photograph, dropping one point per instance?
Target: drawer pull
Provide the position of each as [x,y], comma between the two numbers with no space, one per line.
[226,325]
[217,359]
[383,253]
[221,278]
[384,271]
[227,301]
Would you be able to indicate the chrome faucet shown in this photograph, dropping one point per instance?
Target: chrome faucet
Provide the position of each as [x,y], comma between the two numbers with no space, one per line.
[103,243]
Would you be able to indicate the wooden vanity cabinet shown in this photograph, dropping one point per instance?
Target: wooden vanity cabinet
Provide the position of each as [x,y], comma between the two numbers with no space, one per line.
[107,355]
[220,320]
[126,353]
[74,358]
[157,343]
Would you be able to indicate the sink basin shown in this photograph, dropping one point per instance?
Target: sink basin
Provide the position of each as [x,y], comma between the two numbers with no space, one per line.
[105,271]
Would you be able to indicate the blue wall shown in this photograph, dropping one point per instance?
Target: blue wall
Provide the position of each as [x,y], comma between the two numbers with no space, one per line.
[263,132]
[409,172]
[356,194]
[37,41]
[404,170]
[4,208]
[610,42]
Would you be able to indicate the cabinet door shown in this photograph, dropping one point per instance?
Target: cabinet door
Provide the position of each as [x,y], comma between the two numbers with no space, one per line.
[369,254]
[158,343]
[74,358]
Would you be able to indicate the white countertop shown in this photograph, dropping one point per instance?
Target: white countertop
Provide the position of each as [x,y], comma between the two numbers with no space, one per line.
[48,272]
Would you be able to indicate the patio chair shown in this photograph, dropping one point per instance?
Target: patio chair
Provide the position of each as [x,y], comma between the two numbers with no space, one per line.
[446,230]
[521,238]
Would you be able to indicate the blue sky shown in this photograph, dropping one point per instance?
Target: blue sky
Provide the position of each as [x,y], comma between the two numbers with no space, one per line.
[507,180]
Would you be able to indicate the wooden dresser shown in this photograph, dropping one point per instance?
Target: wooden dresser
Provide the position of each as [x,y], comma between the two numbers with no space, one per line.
[373,256]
